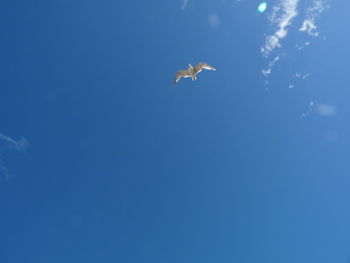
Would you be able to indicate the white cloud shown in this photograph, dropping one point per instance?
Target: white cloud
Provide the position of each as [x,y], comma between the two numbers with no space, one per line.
[312,13]
[310,27]
[184,4]
[282,18]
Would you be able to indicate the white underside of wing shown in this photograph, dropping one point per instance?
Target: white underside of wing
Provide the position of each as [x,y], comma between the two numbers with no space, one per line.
[203,65]
[182,73]
[208,67]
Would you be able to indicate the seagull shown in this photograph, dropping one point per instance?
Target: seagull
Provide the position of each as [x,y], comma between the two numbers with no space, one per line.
[191,72]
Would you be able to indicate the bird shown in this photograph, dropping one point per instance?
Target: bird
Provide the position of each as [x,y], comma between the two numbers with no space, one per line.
[191,72]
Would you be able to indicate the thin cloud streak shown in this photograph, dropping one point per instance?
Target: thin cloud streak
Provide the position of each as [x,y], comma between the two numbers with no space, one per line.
[20,145]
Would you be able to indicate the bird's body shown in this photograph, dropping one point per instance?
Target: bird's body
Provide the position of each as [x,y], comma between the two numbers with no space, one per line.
[191,72]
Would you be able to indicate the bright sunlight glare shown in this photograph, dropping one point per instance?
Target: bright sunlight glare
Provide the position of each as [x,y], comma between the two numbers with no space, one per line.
[262,7]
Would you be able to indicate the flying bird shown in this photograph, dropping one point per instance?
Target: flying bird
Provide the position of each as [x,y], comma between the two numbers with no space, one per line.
[191,72]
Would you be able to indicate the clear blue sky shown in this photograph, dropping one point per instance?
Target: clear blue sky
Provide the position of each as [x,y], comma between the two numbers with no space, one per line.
[120,166]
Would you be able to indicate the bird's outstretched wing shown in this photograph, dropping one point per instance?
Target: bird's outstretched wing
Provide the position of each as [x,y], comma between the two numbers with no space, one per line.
[181,73]
[203,65]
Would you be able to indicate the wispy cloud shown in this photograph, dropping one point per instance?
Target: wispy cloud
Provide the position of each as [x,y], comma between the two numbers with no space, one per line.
[281,18]
[302,76]
[268,70]
[184,4]
[19,145]
[312,13]
[302,46]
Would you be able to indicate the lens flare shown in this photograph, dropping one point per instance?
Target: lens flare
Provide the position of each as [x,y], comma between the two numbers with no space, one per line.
[262,7]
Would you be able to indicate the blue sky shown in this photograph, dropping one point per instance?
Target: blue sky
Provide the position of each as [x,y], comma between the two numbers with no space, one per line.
[103,160]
